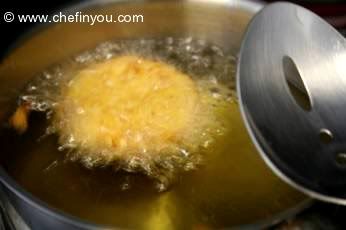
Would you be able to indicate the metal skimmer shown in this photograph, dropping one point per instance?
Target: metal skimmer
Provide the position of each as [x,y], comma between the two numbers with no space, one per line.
[292,91]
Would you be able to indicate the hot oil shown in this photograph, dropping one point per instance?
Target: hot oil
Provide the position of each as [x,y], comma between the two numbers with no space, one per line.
[232,186]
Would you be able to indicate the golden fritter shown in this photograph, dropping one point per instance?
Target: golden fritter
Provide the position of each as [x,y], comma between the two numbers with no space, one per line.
[130,106]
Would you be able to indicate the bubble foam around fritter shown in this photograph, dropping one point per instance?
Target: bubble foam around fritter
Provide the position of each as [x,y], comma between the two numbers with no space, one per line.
[201,65]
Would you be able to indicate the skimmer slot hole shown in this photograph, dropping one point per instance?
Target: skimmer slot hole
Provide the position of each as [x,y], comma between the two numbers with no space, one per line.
[295,84]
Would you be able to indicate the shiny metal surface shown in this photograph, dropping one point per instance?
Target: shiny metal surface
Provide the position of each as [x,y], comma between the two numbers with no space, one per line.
[11,220]
[288,45]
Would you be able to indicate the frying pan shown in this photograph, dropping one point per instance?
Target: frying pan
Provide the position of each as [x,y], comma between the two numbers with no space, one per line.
[221,22]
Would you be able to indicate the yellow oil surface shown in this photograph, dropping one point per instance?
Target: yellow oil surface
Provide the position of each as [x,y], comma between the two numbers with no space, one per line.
[232,187]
